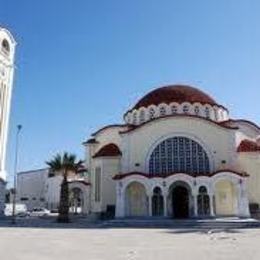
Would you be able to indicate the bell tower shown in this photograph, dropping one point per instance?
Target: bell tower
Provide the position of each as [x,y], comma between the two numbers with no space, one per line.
[7,51]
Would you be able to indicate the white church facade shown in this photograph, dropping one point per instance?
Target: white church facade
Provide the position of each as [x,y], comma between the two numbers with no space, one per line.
[179,155]
[7,51]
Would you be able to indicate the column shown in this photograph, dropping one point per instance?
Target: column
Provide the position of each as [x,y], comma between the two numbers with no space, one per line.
[195,205]
[150,205]
[243,203]
[211,205]
[165,205]
[120,201]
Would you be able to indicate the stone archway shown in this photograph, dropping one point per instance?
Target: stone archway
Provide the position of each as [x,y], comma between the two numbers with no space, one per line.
[136,200]
[79,197]
[225,198]
[180,200]
[76,200]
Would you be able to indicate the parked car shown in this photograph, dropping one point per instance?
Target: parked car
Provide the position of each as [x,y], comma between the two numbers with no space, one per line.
[20,210]
[39,212]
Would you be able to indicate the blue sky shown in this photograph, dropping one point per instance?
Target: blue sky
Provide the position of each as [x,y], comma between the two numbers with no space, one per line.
[81,64]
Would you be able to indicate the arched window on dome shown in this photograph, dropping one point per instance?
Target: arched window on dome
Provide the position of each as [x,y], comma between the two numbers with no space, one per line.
[207,113]
[134,118]
[5,46]
[162,111]
[216,114]
[174,109]
[185,109]
[197,110]
[179,155]
[142,116]
[151,113]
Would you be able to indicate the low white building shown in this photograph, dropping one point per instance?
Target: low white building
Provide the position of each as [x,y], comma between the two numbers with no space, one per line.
[31,188]
[41,188]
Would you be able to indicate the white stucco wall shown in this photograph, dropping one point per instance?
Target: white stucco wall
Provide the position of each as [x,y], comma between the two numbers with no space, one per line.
[6,84]
[109,169]
[218,142]
[31,186]
[250,162]
[52,194]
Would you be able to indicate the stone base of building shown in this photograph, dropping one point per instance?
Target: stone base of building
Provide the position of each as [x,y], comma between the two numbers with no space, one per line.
[2,196]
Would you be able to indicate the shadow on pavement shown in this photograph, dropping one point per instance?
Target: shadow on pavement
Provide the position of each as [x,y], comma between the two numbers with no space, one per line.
[180,227]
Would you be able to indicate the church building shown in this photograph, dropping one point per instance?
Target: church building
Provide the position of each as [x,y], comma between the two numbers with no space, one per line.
[179,155]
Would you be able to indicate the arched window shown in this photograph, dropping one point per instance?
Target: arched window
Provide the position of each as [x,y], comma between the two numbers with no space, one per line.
[179,155]
[185,109]
[203,202]
[151,113]
[5,46]
[174,109]
[162,111]
[216,114]
[157,202]
[142,116]
[197,110]
[207,113]
[134,118]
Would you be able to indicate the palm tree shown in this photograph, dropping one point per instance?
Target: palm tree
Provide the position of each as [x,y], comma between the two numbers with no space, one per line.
[64,164]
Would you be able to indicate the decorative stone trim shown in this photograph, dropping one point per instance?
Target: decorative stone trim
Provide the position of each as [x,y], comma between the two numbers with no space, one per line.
[144,114]
[121,176]
[220,124]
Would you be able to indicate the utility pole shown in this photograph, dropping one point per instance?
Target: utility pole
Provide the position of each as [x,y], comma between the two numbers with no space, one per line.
[19,128]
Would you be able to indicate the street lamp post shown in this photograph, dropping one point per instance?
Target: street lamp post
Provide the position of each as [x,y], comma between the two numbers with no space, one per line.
[19,128]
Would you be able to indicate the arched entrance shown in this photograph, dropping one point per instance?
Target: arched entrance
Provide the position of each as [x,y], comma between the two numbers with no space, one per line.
[76,200]
[157,202]
[180,198]
[136,200]
[225,198]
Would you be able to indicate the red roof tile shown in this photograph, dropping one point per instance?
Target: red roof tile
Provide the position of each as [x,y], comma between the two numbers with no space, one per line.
[175,93]
[248,146]
[108,150]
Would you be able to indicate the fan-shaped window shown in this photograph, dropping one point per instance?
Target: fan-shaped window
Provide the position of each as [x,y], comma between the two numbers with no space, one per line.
[202,189]
[5,46]
[179,155]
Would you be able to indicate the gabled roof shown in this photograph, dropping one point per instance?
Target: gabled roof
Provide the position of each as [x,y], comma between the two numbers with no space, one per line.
[108,150]
[248,146]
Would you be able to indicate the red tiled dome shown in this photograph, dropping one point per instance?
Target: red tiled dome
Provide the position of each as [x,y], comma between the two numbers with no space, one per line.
[174,93]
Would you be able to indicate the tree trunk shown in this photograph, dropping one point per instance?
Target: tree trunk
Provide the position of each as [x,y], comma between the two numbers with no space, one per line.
[64,201]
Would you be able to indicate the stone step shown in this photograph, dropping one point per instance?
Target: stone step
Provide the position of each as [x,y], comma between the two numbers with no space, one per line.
[191,223]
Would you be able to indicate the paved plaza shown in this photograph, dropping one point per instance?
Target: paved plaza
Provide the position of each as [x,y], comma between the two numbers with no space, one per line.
[96,242]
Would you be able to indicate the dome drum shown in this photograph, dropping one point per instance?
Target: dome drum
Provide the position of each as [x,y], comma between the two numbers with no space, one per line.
[141,115]
[175,99]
